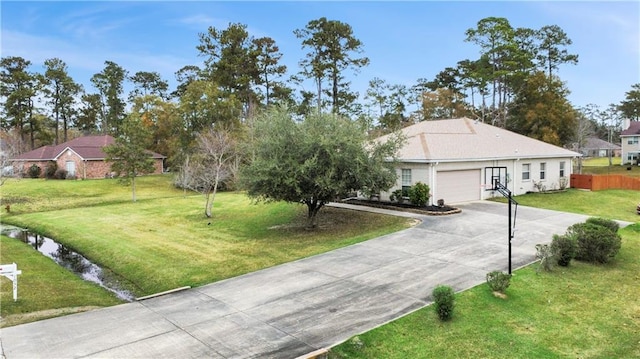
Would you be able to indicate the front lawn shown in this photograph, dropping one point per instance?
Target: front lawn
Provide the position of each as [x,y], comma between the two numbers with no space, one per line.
[611,204]
[164,241]
[582,311]
[600,166]
[45,289]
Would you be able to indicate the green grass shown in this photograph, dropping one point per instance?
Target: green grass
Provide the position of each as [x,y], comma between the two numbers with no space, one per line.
[600,166]
[44,288]
[611,204]
[164,241]
[581,311]
[601,161]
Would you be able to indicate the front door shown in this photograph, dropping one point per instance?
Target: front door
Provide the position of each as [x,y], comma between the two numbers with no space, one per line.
[71,168]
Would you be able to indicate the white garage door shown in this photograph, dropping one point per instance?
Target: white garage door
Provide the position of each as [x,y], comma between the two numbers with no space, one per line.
[458,186]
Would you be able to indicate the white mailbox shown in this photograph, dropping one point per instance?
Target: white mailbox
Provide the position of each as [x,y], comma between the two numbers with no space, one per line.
[11,271]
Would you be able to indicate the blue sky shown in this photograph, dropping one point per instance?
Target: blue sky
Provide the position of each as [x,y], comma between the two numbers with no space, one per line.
[404,41]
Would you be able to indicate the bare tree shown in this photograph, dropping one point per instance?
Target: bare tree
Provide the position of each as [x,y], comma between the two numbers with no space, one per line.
[10,146]
[213,163]
[583,130]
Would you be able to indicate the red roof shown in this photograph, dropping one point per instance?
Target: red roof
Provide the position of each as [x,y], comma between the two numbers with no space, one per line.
[87,147]
[634,129]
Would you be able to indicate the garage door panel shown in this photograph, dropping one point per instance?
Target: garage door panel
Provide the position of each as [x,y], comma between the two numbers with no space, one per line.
[458,186]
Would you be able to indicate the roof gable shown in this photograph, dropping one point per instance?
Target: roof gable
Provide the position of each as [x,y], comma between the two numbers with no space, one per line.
[465,139]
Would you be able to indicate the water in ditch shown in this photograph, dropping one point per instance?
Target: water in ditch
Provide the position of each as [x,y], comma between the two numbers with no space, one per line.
[70,260]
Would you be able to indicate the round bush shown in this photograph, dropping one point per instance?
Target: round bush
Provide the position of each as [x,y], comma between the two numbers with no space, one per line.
[61,173]
[563,248]
[34,171]
[612,225]
[498,281]
[443,297]
[419,194]
[594,243]
[50,170]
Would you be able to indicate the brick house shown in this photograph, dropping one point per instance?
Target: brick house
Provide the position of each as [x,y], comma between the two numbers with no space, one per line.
[81,157]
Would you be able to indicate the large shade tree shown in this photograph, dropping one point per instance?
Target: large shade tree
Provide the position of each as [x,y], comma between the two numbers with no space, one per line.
[316,160]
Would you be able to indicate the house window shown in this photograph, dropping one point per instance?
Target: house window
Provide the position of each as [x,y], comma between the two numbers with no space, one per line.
[71,168]
[562,169]
[543,169]
[631,157]
[526,171]
[406,181]
[632,140]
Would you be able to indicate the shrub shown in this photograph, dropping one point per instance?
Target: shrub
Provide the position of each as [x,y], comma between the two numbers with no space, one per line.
[34,171]
[562,183]
[539,186]
[396,195]
[50,170]
[546,256]
[443,298]
[61,173]
[612,225]
[563,248]
[594,243]
[498,281]
[419,194]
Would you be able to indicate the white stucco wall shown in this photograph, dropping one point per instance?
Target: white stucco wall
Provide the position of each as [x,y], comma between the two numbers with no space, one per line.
[427,173]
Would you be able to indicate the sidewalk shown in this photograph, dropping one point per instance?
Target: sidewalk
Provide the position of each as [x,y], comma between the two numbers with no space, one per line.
[295,308]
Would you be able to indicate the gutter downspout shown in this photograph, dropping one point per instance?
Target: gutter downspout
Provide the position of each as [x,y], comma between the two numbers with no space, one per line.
[432,174]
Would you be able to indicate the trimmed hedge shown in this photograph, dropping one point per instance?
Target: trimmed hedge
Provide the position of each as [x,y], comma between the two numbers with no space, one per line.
[443,297]
[594,243]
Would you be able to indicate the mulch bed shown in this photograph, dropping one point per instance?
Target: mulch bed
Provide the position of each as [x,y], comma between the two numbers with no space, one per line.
[406,207]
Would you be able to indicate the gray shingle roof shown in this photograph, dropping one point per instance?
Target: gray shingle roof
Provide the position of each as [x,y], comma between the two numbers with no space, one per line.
[464,139]
[87,147]
[634,129]
[594,143]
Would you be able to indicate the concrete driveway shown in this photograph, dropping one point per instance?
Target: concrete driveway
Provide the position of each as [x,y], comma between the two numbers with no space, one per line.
[293,309]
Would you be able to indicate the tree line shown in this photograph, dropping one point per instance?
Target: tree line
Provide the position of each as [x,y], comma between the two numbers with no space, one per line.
[239,109]
[513,83]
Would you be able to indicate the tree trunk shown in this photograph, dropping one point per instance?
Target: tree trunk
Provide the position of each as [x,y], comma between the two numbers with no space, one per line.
[313,207]
[208,205]
[319,84]
[133,188]
[211,196]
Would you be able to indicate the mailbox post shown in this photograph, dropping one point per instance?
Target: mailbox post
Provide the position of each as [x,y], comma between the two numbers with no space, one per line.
[11,271]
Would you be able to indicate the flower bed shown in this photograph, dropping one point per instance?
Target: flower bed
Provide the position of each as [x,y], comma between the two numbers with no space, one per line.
[406,207]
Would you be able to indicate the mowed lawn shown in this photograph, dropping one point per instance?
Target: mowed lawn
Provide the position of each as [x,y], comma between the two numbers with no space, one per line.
[600,166]
[164,241]
[581,311]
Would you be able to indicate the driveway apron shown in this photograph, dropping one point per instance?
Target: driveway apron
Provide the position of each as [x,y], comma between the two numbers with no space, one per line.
[293,309]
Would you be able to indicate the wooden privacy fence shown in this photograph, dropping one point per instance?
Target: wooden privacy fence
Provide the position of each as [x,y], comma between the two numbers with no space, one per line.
[600,182]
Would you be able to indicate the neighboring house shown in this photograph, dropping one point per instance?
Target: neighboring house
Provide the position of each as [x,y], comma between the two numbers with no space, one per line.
[81,157]
[595,147]
[630,139]
[461,158]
